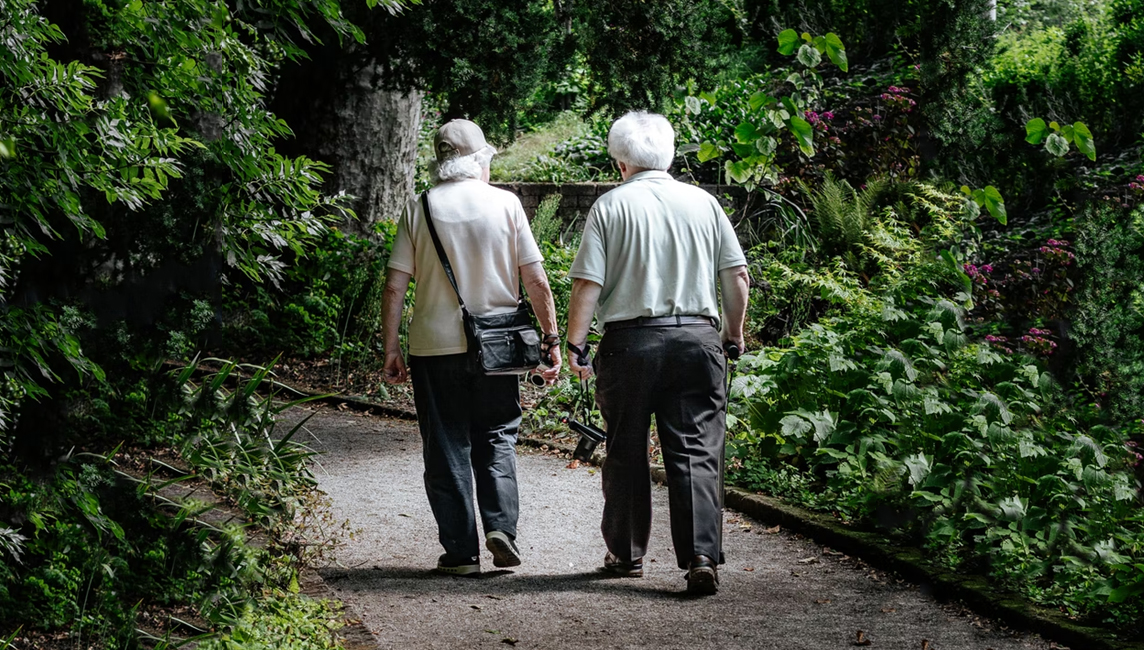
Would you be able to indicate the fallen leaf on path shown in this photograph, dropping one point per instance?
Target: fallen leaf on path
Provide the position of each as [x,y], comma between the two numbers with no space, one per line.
[822,601]
[834,553]
[862,640]
[343,406]
[476,607]
[888,610]
[925,644]
[492,596]
[573,465]
[773,531]
[509,640]
[809,560]
[402,514]
[749,568]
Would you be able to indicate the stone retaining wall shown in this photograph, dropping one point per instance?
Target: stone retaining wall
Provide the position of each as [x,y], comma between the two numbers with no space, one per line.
[578,197]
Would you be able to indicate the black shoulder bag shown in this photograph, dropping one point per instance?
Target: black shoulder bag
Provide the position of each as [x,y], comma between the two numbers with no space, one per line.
[499,344]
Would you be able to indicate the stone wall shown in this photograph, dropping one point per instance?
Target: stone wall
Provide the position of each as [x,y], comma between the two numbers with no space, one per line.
[578,197]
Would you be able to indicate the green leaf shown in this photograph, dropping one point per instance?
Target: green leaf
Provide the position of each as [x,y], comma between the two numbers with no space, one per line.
[809,56]
[758,100]
[692,104]
[743,150]
[804,132]
[158,105]
[766,145]
[709,97]
[1067,133]
[1084,142]
[708,151]
[794,425]
[995,204]
[1056,145]
[788,41]
[7,147]
[836,51]
[746,133]
[1036,130]
[919,467]
[739,171]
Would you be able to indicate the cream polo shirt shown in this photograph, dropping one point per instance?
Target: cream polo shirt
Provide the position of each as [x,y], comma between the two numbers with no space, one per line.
[487,238]
[656,246]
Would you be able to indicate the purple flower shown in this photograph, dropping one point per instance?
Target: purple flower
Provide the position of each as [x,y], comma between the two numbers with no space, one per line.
[828,115]
[987,268]
[1036,271]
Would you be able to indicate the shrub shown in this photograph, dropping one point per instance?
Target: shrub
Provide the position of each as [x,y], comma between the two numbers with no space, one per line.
[1108,322]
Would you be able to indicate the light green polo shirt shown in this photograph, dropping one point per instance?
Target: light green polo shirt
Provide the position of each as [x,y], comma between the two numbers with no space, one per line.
[656,246]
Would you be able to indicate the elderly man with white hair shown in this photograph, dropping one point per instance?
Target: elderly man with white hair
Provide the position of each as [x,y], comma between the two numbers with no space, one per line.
[468,420]
[652,259]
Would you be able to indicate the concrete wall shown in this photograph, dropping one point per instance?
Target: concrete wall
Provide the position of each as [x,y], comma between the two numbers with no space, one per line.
[578,197]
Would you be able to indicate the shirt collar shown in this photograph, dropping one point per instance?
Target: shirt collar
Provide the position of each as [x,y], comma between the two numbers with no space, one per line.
[648,175]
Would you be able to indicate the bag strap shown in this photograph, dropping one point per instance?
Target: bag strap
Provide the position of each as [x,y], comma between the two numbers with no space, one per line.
[520,299]
[441,251]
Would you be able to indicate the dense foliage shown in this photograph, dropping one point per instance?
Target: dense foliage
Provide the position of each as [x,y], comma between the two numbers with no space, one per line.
[942,214]
[138,174]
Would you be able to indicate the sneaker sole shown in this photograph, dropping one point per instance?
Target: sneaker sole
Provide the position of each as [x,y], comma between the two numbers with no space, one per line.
[503,554]
[463,570]
[702,582]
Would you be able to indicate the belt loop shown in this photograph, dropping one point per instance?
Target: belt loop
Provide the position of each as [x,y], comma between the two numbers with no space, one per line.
[678,321]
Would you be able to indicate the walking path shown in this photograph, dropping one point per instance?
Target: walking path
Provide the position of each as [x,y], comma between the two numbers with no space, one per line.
[778,590]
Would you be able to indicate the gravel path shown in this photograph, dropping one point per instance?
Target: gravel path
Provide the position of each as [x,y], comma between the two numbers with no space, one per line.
[778,590]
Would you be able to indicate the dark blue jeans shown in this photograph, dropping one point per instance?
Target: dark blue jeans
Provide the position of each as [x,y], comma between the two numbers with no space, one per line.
[469,424]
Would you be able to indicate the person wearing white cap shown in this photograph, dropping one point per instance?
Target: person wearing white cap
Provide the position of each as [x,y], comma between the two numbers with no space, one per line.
[468,420]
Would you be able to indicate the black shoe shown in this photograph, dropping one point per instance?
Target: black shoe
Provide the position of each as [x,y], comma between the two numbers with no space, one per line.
[618,567]
[702,576]
[453,567]
[504,550]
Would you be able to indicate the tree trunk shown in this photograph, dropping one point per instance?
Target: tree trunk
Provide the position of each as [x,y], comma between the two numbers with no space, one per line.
[342,115]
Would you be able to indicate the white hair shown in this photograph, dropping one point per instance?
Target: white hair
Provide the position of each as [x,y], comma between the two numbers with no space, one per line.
[644,140]
[462,167]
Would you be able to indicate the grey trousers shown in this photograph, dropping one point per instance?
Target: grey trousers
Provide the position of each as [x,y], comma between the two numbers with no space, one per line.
[469,425]
[676,374]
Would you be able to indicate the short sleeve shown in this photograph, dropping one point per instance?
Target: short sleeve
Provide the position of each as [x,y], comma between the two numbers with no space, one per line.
[403,256]
[527,250]
[591,261]
[730,251]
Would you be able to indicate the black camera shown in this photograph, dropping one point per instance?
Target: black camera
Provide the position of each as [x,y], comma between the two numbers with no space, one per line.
[590,436]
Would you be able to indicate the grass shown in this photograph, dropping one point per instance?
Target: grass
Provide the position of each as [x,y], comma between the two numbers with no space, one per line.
[512,163]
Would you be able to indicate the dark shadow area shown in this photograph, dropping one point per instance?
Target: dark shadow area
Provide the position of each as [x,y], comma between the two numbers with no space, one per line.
[407,581]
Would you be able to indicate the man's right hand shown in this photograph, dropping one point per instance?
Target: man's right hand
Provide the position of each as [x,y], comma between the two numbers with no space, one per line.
[738,342]
[394,371]
[581,371]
